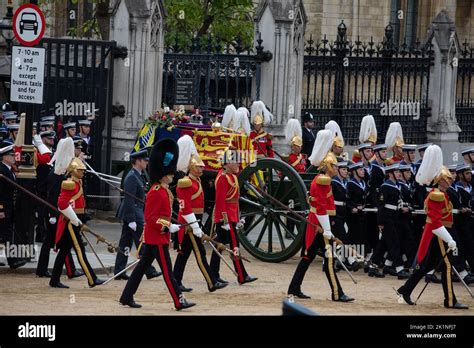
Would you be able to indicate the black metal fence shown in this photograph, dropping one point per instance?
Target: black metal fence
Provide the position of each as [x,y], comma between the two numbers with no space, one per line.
[219,74]
[81,71]
[465,93]
[344,81]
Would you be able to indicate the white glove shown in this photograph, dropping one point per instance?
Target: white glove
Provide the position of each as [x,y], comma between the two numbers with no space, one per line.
[452,245]
[328,234]
[191,219]
[133,225]
[38,142]
[443,233]
[71,215]
[226,227]
[240,224]
[173,228]
[52,221]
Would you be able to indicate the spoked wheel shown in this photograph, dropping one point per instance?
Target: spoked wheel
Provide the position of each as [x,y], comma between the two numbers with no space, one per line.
[270,233]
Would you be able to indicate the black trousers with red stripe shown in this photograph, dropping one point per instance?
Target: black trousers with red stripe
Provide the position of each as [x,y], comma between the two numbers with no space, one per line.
[228,237]
[48,243]
[161,254]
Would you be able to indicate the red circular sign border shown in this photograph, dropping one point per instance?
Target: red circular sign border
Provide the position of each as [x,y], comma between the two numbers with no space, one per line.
[15,16]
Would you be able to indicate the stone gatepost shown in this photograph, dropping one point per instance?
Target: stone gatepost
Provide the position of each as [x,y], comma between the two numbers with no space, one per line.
[281,25]
[442,127]
[137,25]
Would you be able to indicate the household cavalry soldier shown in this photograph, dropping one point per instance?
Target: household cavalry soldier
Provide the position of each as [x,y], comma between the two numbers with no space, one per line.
[357,192]
[387,215]
[367,134]
[436,243]
[318,230]
[130,212]
[71,203]
[419,196]
[404,223]
[338,221]
[262,141]
[158,226]
[394,141]
[293,136]
[54,179]
[228,118]
[191,208]
[226,215]
[338,146]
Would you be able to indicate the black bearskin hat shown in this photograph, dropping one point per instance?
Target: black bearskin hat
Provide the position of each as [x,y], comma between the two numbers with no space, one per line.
[163,159]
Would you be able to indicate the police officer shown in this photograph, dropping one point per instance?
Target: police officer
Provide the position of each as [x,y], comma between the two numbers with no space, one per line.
[7,198]
[309,135]
[131,213]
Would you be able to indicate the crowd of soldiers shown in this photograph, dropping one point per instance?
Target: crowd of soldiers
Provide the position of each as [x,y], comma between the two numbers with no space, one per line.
[379,205]
[372,201]
[46,135]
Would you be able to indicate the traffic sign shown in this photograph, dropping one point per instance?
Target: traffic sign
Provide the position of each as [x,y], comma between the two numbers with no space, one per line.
[27,77]
[28,24]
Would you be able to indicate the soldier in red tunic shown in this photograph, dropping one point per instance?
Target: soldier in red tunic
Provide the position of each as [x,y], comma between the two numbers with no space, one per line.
[394,141]
[436,242]
[293,136]
[158,226]
[226,216]
[367,134]
[71,203]
[262,141]
[191,208]
[322,206]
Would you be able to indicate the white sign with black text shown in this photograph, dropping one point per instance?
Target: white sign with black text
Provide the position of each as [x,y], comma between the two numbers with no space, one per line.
[27,77]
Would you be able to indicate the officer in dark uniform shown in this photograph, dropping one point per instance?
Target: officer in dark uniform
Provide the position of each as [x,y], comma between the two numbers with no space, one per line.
[7,198]
[465,226]
[409,152]
[357,192]
[131,213]
[309,135]
[387,215]
[404,223]
[459,218]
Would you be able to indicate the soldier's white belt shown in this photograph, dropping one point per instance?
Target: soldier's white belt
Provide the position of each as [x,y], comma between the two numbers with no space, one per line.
[339,203]
[391,206]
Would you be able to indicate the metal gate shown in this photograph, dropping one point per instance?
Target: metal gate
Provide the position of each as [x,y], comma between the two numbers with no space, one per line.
[220,74]
[344,81]
[81,71]
[465,93]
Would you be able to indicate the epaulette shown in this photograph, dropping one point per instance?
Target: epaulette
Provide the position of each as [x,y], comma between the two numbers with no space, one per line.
[68,185]
[436,196]
[323,180]
[184,182]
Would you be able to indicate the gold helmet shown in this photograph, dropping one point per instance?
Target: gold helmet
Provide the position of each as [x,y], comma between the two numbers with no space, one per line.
[296,140]
[338,142]
[196,161]
[445,174]
[258,119]
[75,165]
[330,159]
[399,142]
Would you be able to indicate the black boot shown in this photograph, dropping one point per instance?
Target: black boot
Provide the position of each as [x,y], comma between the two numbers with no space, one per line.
[342,298]
[300,295]
[130,303]
[403,274]
[58,285]
[457,305]
[77,273]
[185,305]
[374,272]
[97,281]
[406,296]
[184,289]
[432,278]
[217,286]
[389,270]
